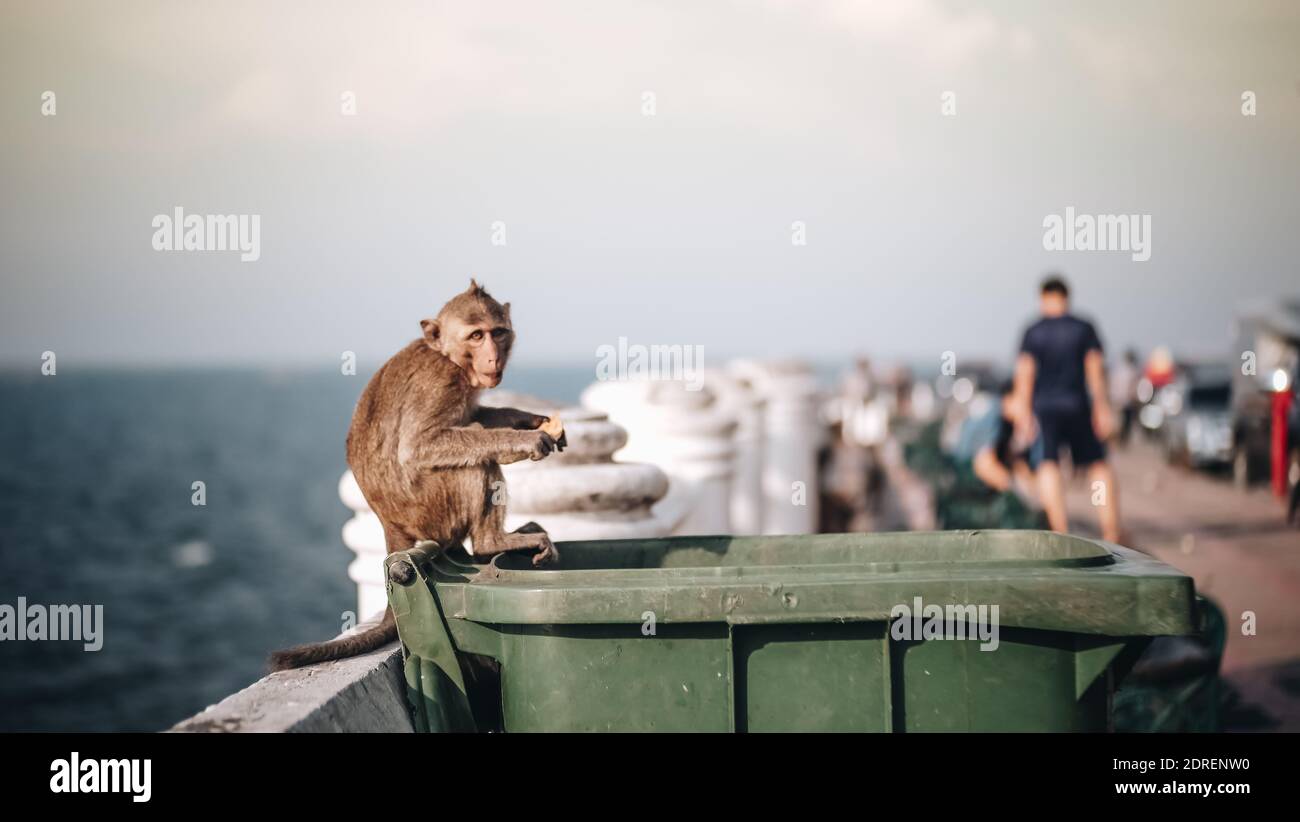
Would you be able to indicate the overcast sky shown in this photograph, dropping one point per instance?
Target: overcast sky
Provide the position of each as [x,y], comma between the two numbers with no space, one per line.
[924,231]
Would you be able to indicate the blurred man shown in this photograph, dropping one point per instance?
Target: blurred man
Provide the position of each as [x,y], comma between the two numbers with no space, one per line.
[1060,383]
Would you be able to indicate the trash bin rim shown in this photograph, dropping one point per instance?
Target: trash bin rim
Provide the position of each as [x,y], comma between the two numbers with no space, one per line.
[1107,590]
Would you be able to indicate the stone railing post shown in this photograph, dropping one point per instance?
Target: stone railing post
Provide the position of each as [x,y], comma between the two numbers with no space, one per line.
[740,399]
[792,435]
[365,536]
[687,433]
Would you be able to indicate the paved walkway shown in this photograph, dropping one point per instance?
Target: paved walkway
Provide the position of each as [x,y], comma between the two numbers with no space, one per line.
[1239,549]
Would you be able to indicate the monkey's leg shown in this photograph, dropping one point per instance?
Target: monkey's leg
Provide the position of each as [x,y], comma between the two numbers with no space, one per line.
[490,538]
[478,500]
[396,540]
[490,543]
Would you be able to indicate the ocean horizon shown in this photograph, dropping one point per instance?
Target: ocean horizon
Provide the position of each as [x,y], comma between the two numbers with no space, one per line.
[97,508]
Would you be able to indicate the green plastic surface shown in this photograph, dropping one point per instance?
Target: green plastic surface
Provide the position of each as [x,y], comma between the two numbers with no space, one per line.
[787,633]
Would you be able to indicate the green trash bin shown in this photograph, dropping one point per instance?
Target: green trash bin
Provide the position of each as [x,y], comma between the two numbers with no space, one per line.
[827,632]
[1174,687]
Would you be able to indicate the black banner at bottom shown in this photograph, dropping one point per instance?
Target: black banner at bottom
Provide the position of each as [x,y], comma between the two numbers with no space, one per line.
[213,773]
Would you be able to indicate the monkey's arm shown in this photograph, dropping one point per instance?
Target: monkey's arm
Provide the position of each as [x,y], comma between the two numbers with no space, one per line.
[521,421]
[460,447]
[507,418]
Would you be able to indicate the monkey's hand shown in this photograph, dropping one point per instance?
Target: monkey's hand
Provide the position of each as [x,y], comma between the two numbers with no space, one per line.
[538,445]
[546,551]
[550,425]
[555,428]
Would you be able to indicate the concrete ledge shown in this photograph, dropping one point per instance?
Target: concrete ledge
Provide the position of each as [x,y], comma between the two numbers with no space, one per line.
[362,694]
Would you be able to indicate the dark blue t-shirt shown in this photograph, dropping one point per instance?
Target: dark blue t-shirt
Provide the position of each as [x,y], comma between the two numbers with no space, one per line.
[1058,346]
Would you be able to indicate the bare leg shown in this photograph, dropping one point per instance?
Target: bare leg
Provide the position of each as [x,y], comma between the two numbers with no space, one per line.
[1107,503]
[1023,480]
[1052,496]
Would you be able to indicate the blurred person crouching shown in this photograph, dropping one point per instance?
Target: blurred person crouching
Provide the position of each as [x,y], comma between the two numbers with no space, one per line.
[994,451]
[993,483]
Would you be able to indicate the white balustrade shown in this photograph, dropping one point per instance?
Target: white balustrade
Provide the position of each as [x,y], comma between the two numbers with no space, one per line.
[739,398]
[686,432]
[792,435]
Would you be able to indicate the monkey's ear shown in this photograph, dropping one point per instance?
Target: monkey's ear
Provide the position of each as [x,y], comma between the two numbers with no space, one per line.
[474,286]
[432,332]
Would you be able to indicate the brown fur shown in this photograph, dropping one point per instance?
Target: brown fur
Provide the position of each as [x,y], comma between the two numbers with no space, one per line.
[426,455]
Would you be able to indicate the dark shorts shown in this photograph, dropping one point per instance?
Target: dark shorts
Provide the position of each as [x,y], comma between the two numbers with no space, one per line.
[1072,429]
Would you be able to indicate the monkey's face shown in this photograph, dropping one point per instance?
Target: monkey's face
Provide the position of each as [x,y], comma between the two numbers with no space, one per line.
[480,345]
[473,331]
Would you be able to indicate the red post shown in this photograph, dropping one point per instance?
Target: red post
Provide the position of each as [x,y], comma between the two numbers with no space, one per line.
[1281,409]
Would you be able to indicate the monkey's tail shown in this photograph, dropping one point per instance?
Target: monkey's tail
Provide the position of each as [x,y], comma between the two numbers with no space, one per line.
[372,638]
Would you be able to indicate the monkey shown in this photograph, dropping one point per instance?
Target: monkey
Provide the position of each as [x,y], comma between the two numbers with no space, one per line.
[427,456]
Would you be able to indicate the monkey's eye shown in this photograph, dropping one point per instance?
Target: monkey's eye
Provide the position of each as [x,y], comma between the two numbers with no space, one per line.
[477,335]
[498,333]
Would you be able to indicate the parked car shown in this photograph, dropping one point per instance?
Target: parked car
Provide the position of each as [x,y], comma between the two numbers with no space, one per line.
[1267,333]
[1197,428]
